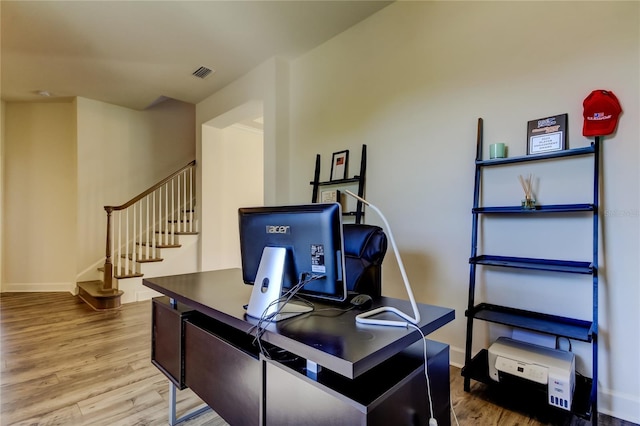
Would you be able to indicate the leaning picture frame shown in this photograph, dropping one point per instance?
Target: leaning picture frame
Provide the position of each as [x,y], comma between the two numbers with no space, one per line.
[330,196]
[547,134]
[339,165]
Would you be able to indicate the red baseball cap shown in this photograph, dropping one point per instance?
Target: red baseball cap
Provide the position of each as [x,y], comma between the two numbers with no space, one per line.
[601,112]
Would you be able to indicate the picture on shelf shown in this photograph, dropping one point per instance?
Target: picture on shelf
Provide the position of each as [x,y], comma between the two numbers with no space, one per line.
[339,165]
[547,134]
[332,196]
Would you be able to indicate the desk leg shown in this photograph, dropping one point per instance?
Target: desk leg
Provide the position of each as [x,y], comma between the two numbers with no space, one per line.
[172,408]
[172,393]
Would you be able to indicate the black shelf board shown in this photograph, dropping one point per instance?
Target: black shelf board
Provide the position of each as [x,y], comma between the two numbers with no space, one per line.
[569,266]
[537,157]
[544,323]
[354,179]
[552,208]
[512,397]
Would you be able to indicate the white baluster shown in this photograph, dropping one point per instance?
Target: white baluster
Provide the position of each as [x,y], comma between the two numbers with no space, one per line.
[133,239]
[153,226]
[126,243]
[176,207]
[183,213]
[113,246]
[173,209]
[191,225]
[139,247]
[165,221]
[118,259]
[146,241]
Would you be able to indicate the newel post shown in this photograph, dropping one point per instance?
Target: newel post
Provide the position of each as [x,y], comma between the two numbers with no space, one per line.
[108,266]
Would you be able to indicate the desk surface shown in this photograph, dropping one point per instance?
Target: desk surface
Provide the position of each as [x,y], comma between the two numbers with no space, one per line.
[327,336]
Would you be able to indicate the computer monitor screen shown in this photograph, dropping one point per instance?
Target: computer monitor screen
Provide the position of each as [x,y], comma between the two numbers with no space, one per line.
[312,237]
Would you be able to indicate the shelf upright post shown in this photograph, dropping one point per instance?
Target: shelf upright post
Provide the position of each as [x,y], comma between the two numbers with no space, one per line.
[361,177]
[474,250]
[316,179]
[594,330]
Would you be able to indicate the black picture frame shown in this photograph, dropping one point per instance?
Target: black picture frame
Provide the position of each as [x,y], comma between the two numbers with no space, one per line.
[339,165]
[547,134]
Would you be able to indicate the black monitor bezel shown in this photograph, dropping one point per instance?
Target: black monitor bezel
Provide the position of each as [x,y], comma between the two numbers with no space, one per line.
[318,214]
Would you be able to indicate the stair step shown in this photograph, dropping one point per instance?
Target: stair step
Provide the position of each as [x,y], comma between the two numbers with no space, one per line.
[143,259]
[128,274]
[92,293]
[177,233]
[162,245]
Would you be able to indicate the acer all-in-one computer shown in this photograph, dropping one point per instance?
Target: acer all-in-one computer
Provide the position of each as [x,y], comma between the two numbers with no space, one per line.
[286,247]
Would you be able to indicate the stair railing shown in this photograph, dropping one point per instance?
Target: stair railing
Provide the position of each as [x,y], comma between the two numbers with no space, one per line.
[148,222]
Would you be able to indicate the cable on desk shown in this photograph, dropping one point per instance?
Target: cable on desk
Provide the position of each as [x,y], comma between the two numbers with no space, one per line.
[280,302]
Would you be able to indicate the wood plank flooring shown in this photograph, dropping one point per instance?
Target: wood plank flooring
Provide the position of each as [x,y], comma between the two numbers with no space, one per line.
[61,363]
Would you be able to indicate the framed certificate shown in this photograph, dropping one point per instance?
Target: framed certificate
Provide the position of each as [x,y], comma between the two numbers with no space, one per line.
[331,196]
[547,134]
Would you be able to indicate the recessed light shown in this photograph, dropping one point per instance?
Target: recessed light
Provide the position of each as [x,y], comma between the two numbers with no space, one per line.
[44,93]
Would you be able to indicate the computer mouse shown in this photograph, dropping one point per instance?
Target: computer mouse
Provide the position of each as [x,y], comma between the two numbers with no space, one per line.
[361,301]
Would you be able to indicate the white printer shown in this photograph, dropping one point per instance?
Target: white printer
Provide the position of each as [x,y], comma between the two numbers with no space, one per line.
[552,367]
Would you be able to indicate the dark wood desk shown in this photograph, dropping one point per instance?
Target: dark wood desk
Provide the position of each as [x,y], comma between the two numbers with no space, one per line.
[202,340]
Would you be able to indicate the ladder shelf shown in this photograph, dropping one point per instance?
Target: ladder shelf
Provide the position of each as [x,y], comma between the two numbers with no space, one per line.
[583,330]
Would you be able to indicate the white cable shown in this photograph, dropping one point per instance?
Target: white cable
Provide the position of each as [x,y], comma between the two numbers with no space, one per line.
[452,410]
[432,419]
[411,322]
[280,302]
[364,317]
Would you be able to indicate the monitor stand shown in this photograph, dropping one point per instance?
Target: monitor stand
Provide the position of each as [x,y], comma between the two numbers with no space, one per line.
[268,288]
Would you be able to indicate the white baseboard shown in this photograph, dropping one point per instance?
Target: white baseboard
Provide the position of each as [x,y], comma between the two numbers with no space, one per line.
[456,356]
[619,405]
[38,287]
[147,294]
[135,291]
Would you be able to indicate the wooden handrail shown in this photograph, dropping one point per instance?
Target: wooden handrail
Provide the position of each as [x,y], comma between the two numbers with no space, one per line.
[107,285]
[149,191]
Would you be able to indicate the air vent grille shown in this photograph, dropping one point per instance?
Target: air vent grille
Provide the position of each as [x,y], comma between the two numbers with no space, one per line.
[202,72]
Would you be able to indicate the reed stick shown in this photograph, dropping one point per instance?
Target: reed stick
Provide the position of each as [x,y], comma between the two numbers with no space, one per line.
[527,185]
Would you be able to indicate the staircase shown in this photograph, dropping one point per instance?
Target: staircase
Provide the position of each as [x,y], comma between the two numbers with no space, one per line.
[153,234]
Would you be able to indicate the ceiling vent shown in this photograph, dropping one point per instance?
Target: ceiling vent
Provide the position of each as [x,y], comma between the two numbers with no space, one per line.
[202,72]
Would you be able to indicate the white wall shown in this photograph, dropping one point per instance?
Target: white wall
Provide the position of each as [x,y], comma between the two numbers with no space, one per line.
[411,81]
[264,90]
[63,163]
[2,137]
[121,153]
[233,171]
[39,223]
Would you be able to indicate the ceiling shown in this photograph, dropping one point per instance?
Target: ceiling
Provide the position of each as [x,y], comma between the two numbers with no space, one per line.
[137,53]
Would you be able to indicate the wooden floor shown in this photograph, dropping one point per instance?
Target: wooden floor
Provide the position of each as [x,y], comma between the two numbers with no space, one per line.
[62,363]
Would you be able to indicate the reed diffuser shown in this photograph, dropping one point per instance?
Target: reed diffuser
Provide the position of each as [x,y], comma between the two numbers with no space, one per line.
[529,202]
